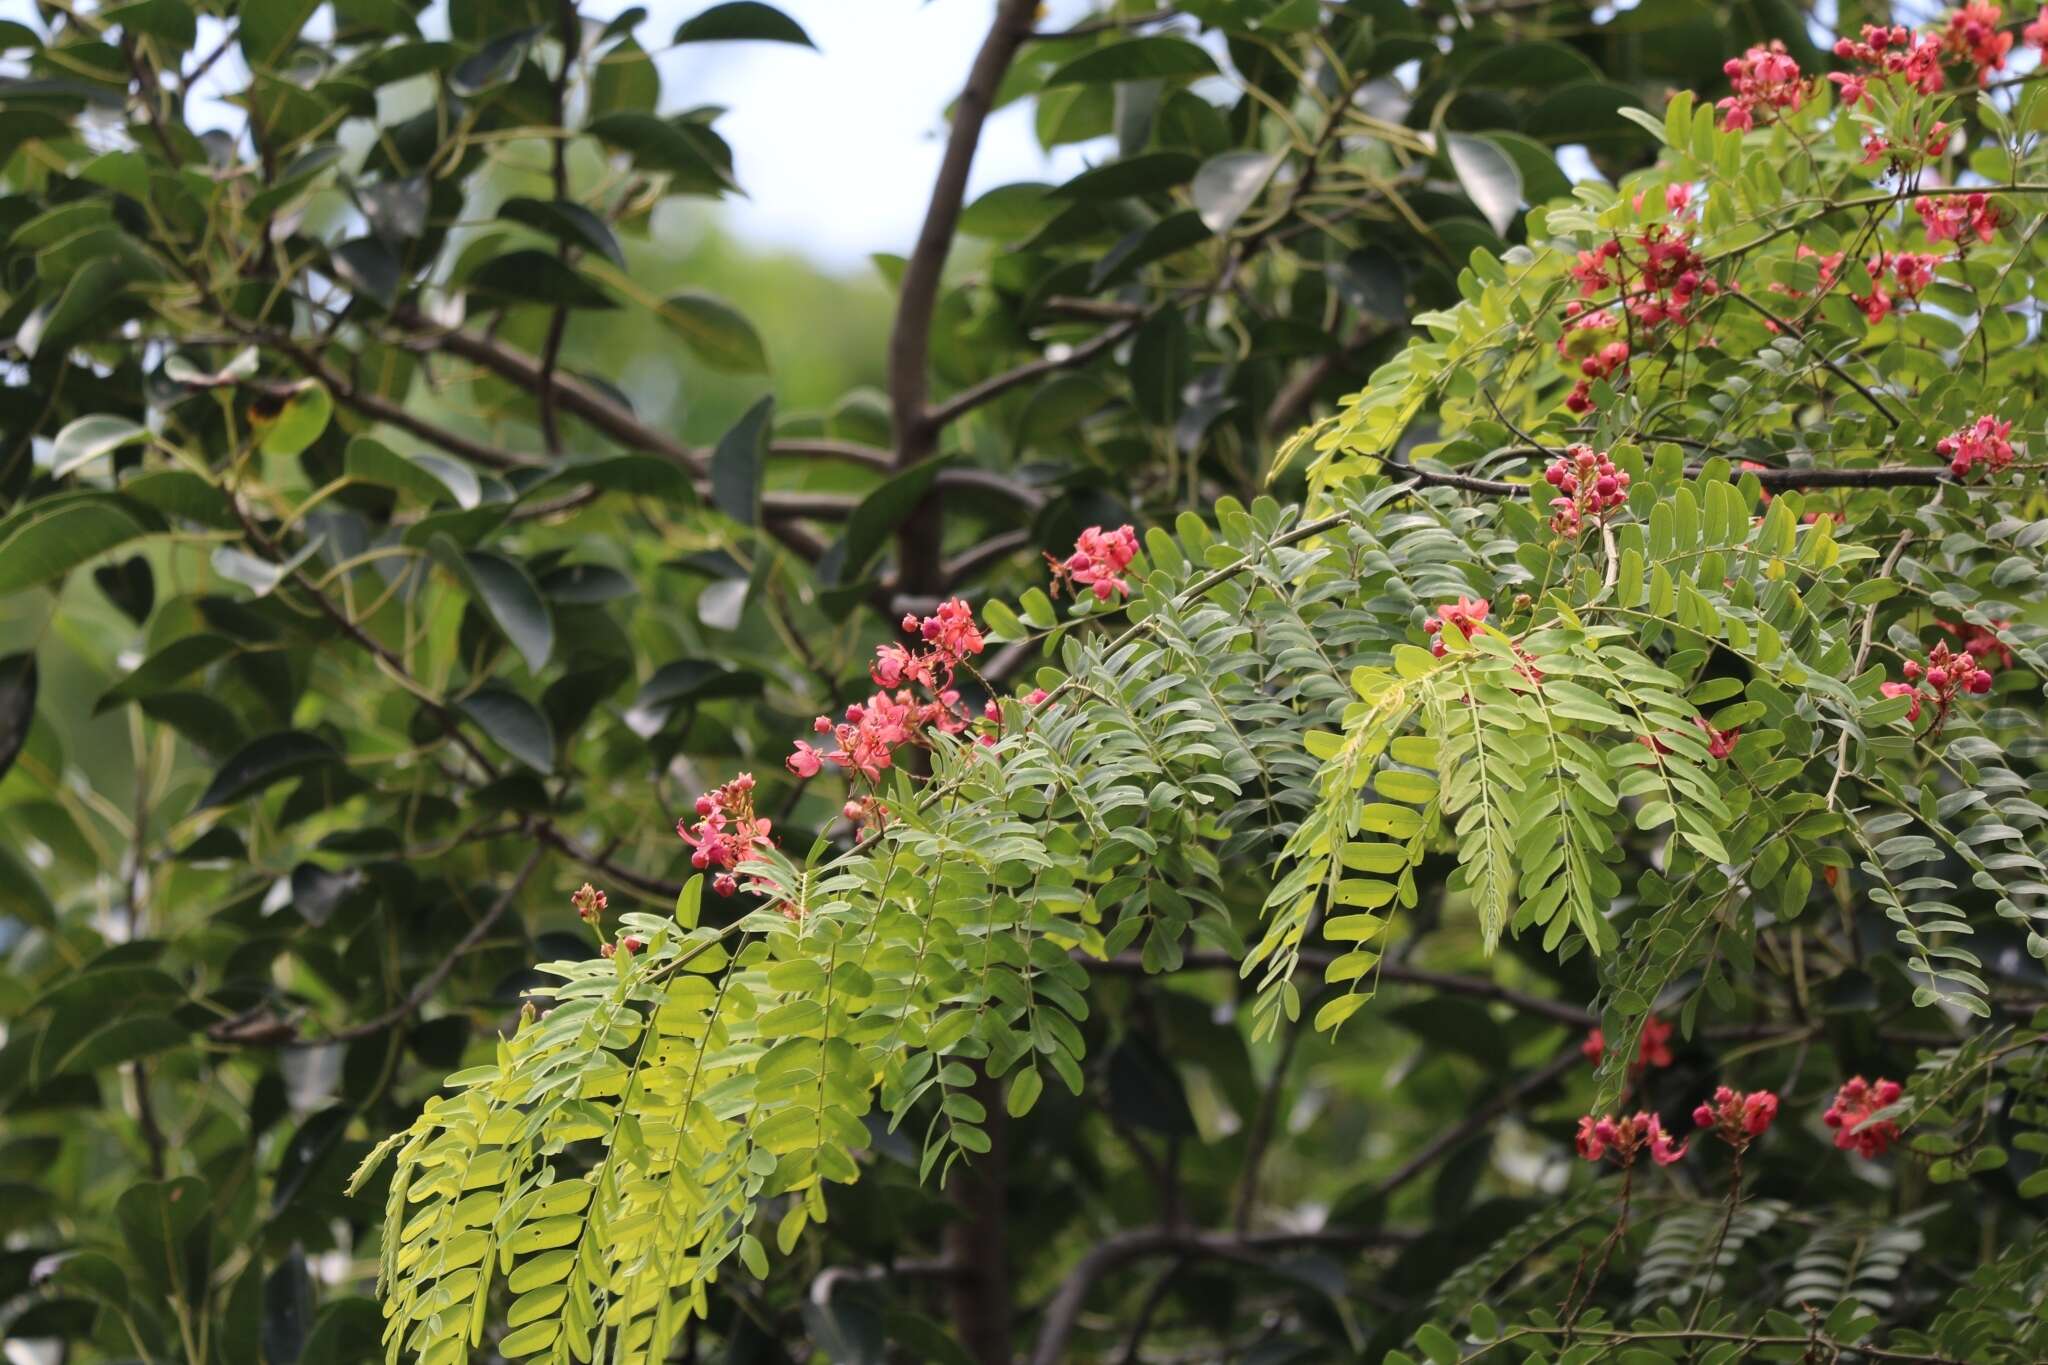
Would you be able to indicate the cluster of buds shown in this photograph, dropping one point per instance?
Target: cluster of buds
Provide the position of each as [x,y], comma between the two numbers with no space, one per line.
[1958,217]
[1588,485]
[1622,1139]
[1736,1118]
[590,903]
[1981,643]
[626,947]
[1945,674]
[1592,347]
[1466,613]
[1097,563]
[1653,1046]
[871,731]
[1973,35]
[1849,1116]
[1982,442]
[1892,51]
[726,833]
[1764,79]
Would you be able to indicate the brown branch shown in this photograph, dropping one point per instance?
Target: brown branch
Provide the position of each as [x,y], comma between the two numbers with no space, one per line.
[425,987]
[919,539]
[1284,413]
[853,452]
[1063,1310]
[992,551]
[994,387]
[1449,1139]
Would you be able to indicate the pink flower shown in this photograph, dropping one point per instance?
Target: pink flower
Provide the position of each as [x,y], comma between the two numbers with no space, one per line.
[2036,33]
[806,761]
[1588,484]
[1653,1046]
[1720,743]
[727,832]
[1763,78]
[1623,1138]
[1737,1118]
[1035,696]
[1982,442]
[1893,689]
[1973,35]
[1949,217]
[1850,1115]
[1098,561]
[1466,613]
[1853,87]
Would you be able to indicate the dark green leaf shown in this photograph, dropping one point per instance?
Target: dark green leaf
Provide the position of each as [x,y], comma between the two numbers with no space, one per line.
[263,762]
[742,19]
[1148,173]
[515,724]
[684,152]
[172,664]
[1491,180]
[47,542]
[875,520]
[532,276]
[1135,59]
[736,464]
[566,221]
[505,590]
[17,706]
[130,584]
[715,333]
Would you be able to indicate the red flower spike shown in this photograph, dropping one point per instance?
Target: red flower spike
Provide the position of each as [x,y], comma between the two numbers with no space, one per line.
[1623,1139]
[1738,1119]
[1766,80]
[1850,1113]
[1466,613]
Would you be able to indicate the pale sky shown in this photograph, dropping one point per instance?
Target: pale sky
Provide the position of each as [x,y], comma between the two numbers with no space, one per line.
[835,148]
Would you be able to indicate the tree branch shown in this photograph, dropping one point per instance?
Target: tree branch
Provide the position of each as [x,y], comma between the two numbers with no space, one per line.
[1063,1310]
[994,387]
[425,987]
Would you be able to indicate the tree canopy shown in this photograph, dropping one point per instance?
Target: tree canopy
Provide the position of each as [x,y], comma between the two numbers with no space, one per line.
[1403,722]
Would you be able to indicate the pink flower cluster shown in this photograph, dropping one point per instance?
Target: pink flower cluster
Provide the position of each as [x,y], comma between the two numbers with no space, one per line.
[1886,52]
[1738,1119]
[1592,338]
[1466,613]
[1945,674]
[1098,561]
[871,731]
[1973,36]
[726,833]
[590,903]
[2035,34]
[1854,1103]
[1653,1046]
[1623,1138]
[1588,485]
[1764,79]
[1911,273]
[1659,286]
[1982,442]
[1957,217]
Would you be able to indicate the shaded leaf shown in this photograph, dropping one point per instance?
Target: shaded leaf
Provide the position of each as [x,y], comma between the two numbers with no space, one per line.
[1227,184]
[1492,181]
[566,221]
[88,438]
[264,762]
[1135,59]
[875,519]
[715,332]
[515,724]
[736,464]
[17,706]
[743,20]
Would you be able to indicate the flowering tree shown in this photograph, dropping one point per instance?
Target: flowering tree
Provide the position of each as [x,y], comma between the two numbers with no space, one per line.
[1707,504]
[1546,865]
